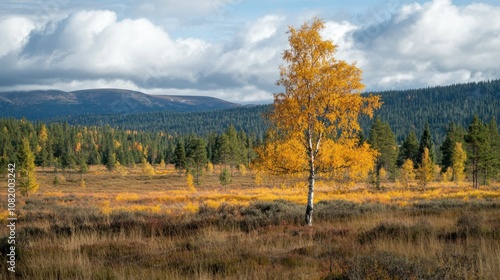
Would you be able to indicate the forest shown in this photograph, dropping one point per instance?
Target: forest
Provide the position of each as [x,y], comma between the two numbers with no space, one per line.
[74,148]
[404,110]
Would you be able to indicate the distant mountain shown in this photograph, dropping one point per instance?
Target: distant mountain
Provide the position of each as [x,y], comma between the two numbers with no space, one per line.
[405,110]
[42,104]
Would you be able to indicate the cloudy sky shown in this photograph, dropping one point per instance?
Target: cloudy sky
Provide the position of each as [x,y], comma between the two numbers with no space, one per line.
[231,49]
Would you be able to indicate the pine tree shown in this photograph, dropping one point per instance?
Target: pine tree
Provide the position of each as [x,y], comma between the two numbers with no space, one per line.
[223,150]
[111,160]
[225,177]
[197,159]
[383,141]
[492,153]
[476,139]
[454,134]
[409,150]
[27,178]
[426,142]
[180,156]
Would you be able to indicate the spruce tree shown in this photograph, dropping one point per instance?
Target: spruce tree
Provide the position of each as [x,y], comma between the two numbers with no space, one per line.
[495,147]
[382,139]
[180,156]
[197,159]
[426,142]
[409,150]
[476,139]
[454,134]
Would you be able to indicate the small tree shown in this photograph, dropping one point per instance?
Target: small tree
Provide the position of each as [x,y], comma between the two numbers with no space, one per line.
[210,168]
[190,182]
[458,159]
[147,169]
[27,179]
[407,173]
[111,160]
[426,142]
[197,159]
[426,169]
[225,177]
[448,175]
[476,140]
[180,157]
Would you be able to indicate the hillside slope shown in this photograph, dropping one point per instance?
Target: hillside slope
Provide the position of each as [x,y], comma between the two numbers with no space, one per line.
[40,104]
[404,110]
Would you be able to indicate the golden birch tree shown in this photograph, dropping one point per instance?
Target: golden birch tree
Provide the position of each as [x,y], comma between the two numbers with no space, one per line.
[315,120]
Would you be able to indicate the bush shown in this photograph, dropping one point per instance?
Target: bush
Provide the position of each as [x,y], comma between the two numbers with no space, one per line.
[263,214]
[396,231]
[225,177]
[469,223]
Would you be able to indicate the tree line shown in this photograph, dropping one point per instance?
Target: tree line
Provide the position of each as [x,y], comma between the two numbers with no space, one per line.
[404,110]
[73,147]
[474,150]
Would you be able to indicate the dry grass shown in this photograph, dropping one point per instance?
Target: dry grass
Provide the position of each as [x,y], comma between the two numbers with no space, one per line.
[134,227]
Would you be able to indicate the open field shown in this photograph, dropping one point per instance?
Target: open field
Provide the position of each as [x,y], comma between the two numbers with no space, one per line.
[129,226]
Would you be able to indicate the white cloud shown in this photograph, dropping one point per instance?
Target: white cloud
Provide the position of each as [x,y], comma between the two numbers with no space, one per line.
[191,8]
[417,45]
[435,43]
[13,33]
[95,47]
[263,28]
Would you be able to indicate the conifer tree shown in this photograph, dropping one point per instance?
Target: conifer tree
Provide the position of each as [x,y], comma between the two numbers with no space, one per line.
[197,159]
[180,156]
[382,139]
[426,142]
[409,150]
[492,152]
[27,178]
[454,134]
[476,139]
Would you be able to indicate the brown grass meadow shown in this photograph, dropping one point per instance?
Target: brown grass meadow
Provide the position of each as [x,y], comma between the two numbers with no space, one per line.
[130,226]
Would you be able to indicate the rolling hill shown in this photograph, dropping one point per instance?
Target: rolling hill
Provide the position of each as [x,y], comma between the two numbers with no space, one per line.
[37,105]
[405,110]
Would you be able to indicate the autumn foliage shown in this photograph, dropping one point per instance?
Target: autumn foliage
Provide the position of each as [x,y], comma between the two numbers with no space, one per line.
[315,120]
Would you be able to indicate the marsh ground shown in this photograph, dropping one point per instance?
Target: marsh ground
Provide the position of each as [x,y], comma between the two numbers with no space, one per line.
[130,226]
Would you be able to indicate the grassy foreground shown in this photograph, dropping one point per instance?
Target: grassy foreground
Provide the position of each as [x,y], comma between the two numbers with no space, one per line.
[134,227]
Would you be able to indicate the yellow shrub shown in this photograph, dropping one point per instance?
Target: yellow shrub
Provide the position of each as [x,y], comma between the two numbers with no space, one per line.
[258,179]
[147,169]
[210,168]
[190,182]
[125,197]
[242,169]
[105,207]
[190,207]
